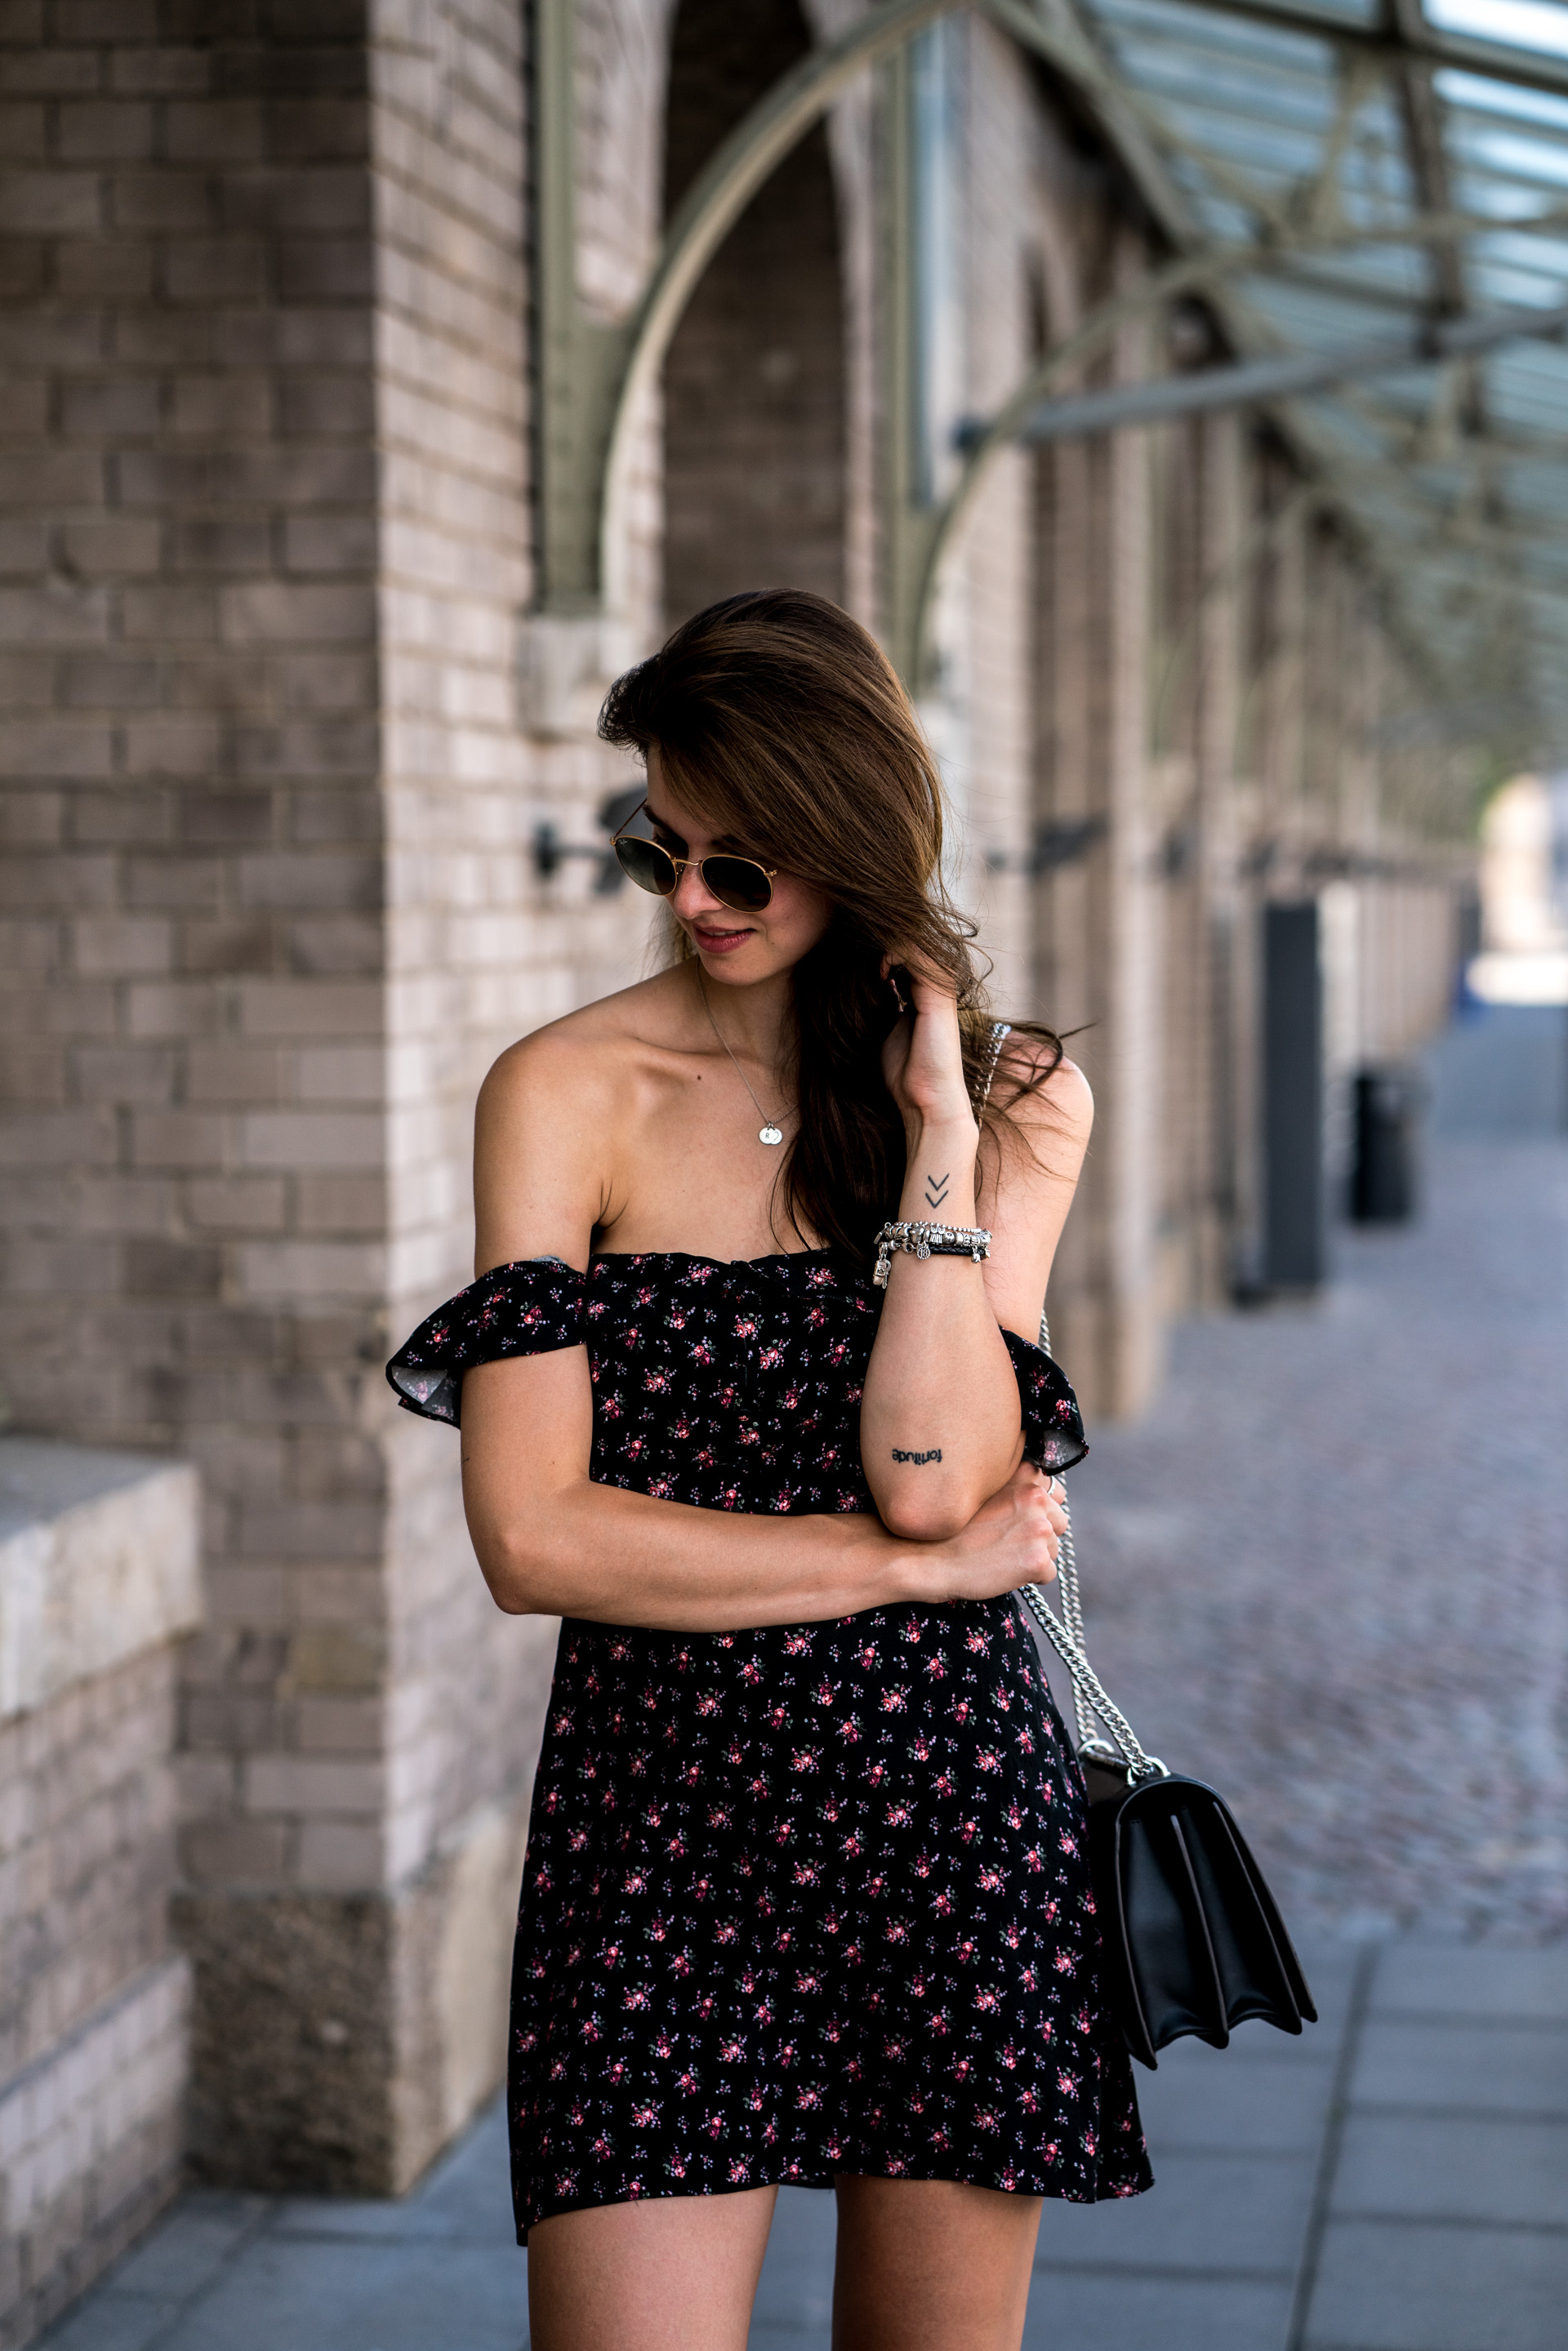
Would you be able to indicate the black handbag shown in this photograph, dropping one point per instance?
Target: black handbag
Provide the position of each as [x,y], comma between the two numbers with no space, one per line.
[1190,1935]
[1191,1938]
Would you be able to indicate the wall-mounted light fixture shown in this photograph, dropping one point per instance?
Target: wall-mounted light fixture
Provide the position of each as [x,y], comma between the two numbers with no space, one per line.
[551,853]
[1056,844]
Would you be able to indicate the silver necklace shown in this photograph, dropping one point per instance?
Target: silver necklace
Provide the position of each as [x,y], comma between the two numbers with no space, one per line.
[768,1132]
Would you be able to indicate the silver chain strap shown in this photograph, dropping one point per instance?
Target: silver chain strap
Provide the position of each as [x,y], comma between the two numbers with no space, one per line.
[1090,1701]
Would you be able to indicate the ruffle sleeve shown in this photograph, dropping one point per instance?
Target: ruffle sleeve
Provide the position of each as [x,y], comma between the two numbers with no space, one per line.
[532,1308]
[1053,1434]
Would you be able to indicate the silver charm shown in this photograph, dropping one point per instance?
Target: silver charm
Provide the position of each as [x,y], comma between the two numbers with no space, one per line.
[768,1132]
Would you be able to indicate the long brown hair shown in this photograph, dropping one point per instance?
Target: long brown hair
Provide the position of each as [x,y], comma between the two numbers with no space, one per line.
[779,720]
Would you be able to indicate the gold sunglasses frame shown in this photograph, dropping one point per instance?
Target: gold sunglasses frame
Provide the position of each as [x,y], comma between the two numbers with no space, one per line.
[768,873]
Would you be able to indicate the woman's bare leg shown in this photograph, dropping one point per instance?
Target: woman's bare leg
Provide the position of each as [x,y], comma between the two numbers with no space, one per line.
[931,2265]
[671,2273]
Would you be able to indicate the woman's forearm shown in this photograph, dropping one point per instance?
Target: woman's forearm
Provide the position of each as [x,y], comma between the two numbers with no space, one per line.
[939,1419]
[619,1557]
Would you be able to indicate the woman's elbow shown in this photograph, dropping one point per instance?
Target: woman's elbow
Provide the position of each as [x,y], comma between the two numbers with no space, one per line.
[924,1517]
[510,1568]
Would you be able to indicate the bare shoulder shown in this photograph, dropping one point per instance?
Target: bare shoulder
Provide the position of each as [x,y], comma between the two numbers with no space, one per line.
[587,1058]
[547,1121]
[1046,1099]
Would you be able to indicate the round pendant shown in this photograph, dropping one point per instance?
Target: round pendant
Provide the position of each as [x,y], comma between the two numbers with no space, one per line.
[770,1135]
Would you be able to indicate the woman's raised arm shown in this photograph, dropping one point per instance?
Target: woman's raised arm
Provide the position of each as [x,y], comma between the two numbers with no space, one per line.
[940,1422]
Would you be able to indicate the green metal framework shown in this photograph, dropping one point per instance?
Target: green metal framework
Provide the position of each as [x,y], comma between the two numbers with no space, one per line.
[1333,182]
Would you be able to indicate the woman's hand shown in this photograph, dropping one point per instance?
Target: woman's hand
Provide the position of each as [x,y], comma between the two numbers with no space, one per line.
[923,1060]
[1011,1539]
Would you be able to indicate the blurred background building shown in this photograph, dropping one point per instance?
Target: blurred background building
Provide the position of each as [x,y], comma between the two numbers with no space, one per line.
[1171,388]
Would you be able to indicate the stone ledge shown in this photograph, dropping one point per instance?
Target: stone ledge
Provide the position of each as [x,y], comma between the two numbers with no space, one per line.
[100,1559]
[89,2142]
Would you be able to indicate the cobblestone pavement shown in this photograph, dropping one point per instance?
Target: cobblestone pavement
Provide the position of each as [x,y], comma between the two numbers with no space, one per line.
[1328,1572]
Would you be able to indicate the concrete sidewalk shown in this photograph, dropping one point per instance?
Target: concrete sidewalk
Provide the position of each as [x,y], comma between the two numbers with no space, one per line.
[1395,2180]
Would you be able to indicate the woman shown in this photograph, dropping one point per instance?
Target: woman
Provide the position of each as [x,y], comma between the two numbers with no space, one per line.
[806,1897]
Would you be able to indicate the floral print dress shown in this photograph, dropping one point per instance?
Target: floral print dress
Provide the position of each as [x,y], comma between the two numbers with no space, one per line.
[807,1899]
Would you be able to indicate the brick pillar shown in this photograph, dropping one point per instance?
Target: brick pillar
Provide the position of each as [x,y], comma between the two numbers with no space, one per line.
[1099,917]
[268,911]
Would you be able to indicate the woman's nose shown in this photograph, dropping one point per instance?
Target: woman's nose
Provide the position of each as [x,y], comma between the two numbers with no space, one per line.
[692,896]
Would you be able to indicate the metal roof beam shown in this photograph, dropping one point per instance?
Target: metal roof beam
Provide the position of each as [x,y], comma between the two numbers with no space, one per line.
[1422,111]
[1419,39]
[1285,377]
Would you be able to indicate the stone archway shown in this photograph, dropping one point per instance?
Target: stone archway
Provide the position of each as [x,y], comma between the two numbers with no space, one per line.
[754,382]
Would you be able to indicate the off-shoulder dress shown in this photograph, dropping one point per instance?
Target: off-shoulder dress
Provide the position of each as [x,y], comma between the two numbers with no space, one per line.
[807,1899]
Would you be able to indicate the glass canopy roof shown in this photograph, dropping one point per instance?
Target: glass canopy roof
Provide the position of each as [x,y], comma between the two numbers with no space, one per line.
[1365,171]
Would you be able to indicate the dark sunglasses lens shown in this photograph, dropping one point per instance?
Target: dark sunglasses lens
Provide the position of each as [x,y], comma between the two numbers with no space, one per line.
[737,883]
[645,863]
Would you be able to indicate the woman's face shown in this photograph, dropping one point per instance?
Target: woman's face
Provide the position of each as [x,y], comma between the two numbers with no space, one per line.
[739,949]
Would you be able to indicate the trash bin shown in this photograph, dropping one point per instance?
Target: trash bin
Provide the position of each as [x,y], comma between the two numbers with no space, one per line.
[1388,1104]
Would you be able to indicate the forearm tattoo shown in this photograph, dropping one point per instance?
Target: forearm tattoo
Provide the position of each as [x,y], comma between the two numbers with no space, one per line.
[934,1455]
[936,1190]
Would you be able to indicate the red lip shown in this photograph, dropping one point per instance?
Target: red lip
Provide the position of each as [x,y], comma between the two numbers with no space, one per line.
[719,942]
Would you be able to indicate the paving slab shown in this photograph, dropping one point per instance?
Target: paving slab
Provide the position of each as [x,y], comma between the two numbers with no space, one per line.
[1454,2167]
[464,2196]
[351,2297]
[1165,2314]
[1218,2214]
[795,2294]
[1406,2286]
[187,2251]
[1219,2103]
[1482,1983]
[105,2320]
[1437,2064]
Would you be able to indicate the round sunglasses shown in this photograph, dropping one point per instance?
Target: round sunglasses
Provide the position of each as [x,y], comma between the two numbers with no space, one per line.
[738,883]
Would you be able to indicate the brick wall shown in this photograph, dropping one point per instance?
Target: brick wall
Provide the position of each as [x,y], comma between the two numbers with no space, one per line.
[196,1237]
